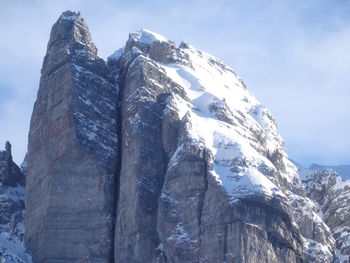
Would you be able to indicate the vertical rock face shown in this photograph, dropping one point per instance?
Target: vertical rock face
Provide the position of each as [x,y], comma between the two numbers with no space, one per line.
[189,168]
[72,151]
[143,161]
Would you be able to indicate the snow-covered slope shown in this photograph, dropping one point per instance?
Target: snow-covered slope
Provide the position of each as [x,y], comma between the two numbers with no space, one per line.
[232,124]
[221,123]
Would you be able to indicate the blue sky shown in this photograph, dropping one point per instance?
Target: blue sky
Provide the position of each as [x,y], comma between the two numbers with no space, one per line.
[293,55]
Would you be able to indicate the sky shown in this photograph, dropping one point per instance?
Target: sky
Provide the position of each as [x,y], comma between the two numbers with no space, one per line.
[293,55]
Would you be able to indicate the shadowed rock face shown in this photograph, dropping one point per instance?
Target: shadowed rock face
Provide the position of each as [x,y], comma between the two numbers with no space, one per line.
[72,151]
[159,155]
[10,174]
[11,209]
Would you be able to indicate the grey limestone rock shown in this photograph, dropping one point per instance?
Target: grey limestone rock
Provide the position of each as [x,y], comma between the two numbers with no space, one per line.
[72,151]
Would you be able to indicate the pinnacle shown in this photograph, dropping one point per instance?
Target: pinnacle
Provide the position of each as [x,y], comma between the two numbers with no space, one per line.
[8,147]
[70,37]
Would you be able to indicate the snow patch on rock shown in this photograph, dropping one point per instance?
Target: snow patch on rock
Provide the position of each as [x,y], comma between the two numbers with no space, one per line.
[146,36]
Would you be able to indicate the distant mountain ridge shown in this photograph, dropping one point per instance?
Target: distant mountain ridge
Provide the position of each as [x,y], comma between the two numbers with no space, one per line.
[342,170]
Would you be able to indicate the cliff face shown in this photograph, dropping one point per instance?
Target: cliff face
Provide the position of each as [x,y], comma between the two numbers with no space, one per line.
[159,155]
[72,151]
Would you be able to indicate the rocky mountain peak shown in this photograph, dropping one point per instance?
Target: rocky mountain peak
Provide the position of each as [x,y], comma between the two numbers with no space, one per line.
[70,41]
[70,15]
[8,147]
[71,30]
[222,151]
[10,174]
[6,155]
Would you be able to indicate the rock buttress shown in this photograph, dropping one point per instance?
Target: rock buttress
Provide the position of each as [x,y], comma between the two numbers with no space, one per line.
[72,151]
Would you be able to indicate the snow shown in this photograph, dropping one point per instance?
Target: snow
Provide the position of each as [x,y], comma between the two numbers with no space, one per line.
[239,135]
[12,249]
[147,37]
[13,193]
[11,244]
[315,248]
[342,170]
[206,83]
[181,235]
[342,258]
[340,184]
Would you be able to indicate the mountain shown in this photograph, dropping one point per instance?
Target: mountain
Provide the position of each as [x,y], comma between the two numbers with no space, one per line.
[159,154]
[342,170]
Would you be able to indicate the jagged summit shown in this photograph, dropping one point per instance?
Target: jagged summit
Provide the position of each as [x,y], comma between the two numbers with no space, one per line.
[10,174]
[70,41]
[8,147]
[70,15]
[70,30]
[342,170]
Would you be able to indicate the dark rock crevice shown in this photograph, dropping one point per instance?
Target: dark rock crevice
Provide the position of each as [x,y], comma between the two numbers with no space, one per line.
[206,159]
[118,169]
